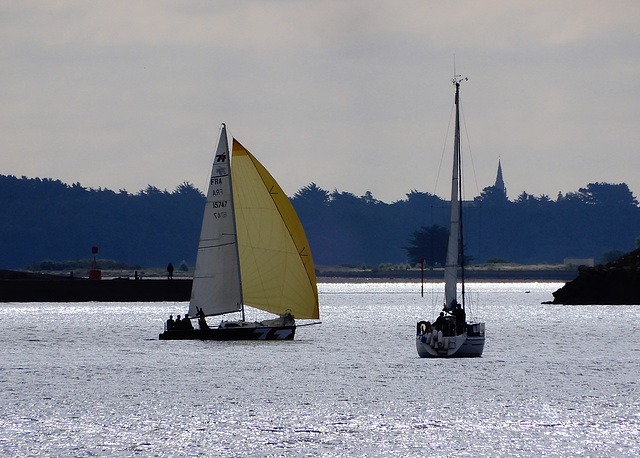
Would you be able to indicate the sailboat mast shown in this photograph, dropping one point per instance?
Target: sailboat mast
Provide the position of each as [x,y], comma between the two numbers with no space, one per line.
[453,246]
[460,196]
[235,230]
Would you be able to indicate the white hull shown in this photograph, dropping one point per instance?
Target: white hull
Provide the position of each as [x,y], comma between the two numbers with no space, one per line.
[460,346]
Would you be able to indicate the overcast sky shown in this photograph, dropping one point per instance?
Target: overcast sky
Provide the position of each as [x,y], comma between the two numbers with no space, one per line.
[352,95]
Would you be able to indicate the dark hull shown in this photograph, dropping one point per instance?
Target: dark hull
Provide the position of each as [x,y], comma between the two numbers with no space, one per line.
[239,333]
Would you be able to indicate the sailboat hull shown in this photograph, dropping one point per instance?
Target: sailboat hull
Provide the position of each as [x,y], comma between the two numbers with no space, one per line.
[467,345]
[235,333]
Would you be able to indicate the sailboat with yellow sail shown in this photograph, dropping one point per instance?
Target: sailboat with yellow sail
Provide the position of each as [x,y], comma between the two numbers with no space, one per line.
[252,252]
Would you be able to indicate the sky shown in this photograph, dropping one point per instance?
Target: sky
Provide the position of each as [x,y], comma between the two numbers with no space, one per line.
[353,95]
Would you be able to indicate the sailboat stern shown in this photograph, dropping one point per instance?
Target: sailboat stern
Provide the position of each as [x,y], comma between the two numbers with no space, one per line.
[473,346]
[434,344]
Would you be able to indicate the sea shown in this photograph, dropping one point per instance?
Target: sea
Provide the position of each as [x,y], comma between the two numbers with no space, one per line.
[92,379]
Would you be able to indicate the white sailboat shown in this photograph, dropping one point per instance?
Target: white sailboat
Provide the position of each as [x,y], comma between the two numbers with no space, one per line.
[450,335]
[252,251]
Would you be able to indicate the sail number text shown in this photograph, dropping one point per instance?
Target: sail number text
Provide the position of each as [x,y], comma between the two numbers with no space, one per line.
[219,204]
[218,192]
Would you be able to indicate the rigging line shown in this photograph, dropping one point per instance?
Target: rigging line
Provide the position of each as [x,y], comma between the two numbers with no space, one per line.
[444,148]
[473,166]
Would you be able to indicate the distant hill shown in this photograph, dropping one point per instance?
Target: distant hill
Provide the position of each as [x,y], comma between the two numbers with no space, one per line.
[45,219]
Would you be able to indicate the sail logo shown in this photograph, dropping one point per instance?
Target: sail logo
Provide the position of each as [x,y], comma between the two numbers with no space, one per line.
[220,171]
[221,157]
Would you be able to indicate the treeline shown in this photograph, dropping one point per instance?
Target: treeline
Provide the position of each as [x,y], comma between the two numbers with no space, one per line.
[46,219]
[595,220]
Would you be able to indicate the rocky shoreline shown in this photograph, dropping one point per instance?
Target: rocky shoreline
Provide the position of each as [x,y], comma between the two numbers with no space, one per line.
[615,283]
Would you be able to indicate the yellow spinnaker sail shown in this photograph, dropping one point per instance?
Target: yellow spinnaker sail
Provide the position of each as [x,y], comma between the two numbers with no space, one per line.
[276,267]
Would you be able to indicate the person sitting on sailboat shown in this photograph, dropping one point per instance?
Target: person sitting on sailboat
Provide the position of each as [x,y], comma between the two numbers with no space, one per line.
[170,323]
[186,322]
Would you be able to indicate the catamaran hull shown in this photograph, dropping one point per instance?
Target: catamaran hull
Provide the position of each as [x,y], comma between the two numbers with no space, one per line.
[239,333]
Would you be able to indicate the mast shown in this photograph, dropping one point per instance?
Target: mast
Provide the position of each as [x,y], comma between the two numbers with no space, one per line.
[460,199]
[235,230]
[454,248]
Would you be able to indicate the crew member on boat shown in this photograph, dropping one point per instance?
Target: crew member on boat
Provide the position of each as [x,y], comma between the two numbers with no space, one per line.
[186,322]
[439,323]
[202,322]
[461,319]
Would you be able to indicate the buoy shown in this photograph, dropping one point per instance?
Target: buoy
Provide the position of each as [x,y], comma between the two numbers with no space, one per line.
[95,273]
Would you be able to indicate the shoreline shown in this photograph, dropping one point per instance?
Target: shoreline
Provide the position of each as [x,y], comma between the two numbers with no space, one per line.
[16,286]
[518,274]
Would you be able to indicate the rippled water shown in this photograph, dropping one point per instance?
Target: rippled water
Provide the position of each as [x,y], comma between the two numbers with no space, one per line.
[92,379]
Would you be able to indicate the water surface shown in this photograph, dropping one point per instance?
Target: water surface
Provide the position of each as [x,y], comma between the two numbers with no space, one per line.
[91,379]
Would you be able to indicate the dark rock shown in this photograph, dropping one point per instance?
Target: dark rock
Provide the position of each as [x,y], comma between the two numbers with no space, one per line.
[615,283]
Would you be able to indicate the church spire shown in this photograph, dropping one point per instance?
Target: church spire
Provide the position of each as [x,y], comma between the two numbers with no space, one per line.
[499,186]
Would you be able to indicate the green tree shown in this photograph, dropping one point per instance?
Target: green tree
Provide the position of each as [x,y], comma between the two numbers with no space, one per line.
[311,196]
[491,196]
[611,195]
[430,244]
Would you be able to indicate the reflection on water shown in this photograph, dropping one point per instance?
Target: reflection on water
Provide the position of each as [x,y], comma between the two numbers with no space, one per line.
[92,378]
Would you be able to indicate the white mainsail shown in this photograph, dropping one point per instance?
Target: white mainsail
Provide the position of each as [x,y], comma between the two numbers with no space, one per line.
[216,281]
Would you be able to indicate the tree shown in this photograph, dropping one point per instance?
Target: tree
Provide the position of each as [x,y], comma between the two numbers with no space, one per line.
[311,195]
[150,191]
[611,195]
[492,195]
[187,190]
[430,244]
